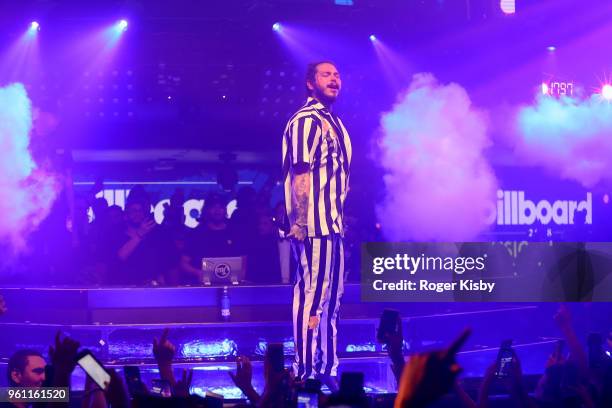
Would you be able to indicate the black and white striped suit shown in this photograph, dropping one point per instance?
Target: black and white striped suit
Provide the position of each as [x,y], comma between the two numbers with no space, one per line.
[316,139]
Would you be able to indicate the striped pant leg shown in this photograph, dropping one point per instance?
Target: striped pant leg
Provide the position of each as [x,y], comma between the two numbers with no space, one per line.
[312,283]
[328,331]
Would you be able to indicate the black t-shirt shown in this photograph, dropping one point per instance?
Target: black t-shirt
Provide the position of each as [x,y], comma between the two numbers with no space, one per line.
[207,243]
[154,256]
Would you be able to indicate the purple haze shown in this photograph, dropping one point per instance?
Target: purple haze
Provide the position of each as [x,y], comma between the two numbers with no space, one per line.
[569,137]
[26,193]
[439,186]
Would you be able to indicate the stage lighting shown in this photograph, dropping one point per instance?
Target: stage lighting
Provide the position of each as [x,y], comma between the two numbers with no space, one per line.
[276,26]
[606,92]
[372,37]
[34,26]
[508,6]
[551,48]
[122,25]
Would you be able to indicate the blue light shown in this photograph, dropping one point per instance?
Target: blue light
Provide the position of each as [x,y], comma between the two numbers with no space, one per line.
[344,2]
[34,26]
[360,348]
[198,348]
[372,37]
[276,26]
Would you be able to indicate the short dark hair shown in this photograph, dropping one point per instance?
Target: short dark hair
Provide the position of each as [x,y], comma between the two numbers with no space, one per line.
[18,362]
[311,72]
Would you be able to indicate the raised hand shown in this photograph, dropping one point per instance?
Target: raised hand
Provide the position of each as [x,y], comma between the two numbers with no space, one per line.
[116,391]
[146,227]
[244,377]
[244,373]
[182,386]
[429,376]
[563,317]
[63,353]
[163,349]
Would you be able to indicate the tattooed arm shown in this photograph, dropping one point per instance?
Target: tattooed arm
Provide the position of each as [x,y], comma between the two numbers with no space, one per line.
[300,186]
[304,133]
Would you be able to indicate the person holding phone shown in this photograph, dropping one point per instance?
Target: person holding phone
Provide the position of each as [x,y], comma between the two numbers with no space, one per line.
[143,253]
[316,160]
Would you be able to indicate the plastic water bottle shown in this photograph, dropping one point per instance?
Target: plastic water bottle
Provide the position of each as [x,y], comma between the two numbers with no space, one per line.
[225,305]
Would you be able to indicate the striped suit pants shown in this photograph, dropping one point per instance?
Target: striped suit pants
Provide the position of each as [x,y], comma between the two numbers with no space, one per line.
[317,292]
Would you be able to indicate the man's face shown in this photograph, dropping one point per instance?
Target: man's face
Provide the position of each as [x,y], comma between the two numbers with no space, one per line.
[32,375]
[135,214]
[216,213]
[326,87]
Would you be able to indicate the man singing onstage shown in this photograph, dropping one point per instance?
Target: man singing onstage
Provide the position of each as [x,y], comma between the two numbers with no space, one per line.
[316,160]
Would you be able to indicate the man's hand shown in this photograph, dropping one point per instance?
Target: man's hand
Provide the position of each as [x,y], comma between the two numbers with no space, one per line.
[116,392]
[244,377]
[556,358]
[146,227]
[563,317]
[163,350]
[182,386]
[244,373]
[429,376]
[297,232]
[63,354]
[313,322]
[514,380]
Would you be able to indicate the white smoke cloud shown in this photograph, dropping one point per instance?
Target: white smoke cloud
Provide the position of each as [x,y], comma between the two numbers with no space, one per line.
[438,184]
[26,192]
[569,137]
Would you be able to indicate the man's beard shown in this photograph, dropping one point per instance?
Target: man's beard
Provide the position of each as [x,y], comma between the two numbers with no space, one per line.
[326,100]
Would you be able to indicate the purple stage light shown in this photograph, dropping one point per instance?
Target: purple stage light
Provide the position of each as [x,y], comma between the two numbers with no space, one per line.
[606,92]
[276,26]
[551,48]
[508,6]
[34,26]
[372,37]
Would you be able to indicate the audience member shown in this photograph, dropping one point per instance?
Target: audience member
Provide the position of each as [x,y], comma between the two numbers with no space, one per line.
[26,368]
[143,253]
[427,377]
[212,238]
[263,254]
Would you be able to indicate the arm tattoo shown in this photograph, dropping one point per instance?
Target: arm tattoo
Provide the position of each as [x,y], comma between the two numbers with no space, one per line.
[301,192]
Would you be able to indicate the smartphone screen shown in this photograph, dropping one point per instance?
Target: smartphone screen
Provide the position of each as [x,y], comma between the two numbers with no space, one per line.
[388,324]
[161,388]
[133,380]
[94,370]
[307,400]
[504,359]
[276,357]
